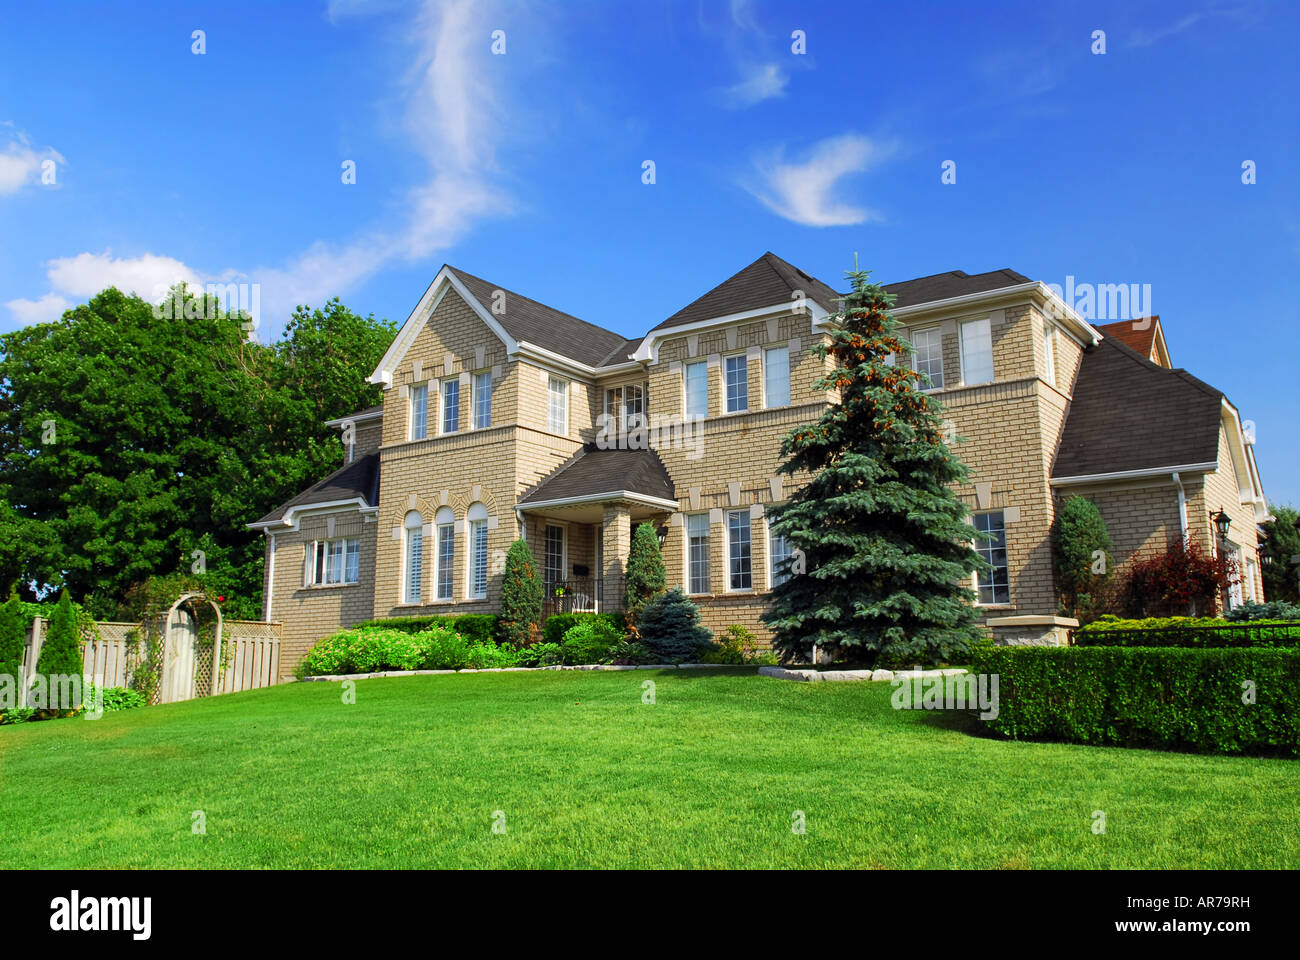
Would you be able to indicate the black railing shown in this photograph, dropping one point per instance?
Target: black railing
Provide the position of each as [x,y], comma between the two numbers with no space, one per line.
[576,595]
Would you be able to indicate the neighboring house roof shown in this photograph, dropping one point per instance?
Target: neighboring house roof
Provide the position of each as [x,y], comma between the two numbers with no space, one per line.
[1131,414]
[1143,336]
[529,321]
[356,480]
[370,413]
[954,283]
[767,281]
[592,471]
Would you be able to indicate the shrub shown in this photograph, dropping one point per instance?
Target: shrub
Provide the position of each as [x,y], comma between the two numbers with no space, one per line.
[116,698]
[480,627]
[1149,697]
[1272,610]
[13,637]
[631,653]
[541,655]
[590,641]
[646,576]
[1185,579]
[475,626]
[738,645]
[1079,534]
[1111,631]
[558,624]
[376,649]
[521,597]
[60,657]
[670,628]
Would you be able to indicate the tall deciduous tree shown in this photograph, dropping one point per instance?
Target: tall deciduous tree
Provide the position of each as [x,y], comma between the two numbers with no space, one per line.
[882,541]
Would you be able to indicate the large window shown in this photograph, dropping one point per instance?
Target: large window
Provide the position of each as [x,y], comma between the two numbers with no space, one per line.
[625,405]
[994,586]
[779,551]
[419,411]
[697,389]
[927,356]
[976,352]
[482,401]
[450,406]
[335,561]
[776,376]
[1049,352]
[697,552]
[557,405]
[740,575]
[553,555]
[737,379]
[445,560]
[478,551]
[413,578]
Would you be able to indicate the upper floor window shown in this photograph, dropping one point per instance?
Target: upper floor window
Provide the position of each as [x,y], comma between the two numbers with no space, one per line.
[776,376]
[697,553]
[740,574]
[557,405]
[445,557]
[413,577]
[994,585]
[927,356]
[626,402]
[1049,352]
[450,406]
[697,389]
[976,351]
[737,379]
[419,411]
[482,401]
[477,518]
[335,561]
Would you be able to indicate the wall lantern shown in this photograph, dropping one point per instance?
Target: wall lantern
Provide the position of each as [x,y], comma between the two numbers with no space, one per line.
[663,535]
[1221,522]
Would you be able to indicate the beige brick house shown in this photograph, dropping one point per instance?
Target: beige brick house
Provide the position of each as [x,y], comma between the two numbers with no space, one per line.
[503,417]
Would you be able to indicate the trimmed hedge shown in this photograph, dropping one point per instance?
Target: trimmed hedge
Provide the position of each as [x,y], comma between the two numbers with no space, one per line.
[1186,699]
[1187,632]
[480,627]
[558,624]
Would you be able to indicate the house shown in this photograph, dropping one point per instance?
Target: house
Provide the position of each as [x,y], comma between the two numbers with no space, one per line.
[504,417]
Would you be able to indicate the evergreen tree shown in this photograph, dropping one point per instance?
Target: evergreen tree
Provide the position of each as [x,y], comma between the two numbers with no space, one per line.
[60,653]
[13,637]
[670,627]
[521,597]
[646,576]
[1280,555]
[1080,534]
[883,544]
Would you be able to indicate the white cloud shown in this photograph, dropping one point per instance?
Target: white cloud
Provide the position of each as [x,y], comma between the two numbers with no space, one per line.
[48,308]
[20,164]
[801,191]
[763,82]
[454,122]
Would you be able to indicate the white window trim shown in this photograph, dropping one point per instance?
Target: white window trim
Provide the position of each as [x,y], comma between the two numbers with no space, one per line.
[686,546]
[771,554]
[568,388]
[475,393]
[437,560]
[911,339]
[961,352]
[789,384]
[404,583]
[975,577]
[410,411]
[469,558]
[442,406]
[686,390]
[726,549]
[1049,351]
[722,368]
[315,545]
[564,547]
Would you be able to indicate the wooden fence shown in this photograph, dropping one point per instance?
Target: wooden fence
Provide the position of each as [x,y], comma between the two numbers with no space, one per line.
[250,656]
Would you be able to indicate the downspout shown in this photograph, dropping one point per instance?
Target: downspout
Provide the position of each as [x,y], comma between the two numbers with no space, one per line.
[1182,509]
[270,578]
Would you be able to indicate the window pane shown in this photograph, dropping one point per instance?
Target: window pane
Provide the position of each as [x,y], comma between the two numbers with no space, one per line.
[776,376]
[446,559]
[927,358]
[697,539]
[634,406]
[780,552]
[414,564]
[553,566]
[557,408]
[478,558]
[697,389]
[450,406]
[1049,352]
[737,383]
[420,411]
[482,401]
[738,557]
[353,572]
[976,352]
[994,585]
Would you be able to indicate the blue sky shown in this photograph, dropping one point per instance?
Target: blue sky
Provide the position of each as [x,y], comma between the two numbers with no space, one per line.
[526,167]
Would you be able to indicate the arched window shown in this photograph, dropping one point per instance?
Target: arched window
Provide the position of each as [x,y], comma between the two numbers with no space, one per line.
[445,557]
[413,579]
[477,519]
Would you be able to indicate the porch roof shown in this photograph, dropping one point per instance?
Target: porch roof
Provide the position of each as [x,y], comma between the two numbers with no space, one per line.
[594,474]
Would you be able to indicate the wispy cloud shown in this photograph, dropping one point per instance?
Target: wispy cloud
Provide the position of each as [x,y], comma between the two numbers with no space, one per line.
[454,122]
[761,78]
[1241,13]
[764,81]
[802,190]
[20,163]
[1145,38]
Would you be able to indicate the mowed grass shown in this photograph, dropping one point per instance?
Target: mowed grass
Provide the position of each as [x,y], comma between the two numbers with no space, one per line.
[587,775]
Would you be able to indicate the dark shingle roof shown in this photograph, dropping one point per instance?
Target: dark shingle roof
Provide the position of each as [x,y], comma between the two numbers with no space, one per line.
[357,479]
[592,471]
[954,283]
[526,319]
[1131,414]
[766,281]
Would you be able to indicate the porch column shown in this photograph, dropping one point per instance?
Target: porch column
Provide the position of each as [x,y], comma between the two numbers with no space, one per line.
[615,544]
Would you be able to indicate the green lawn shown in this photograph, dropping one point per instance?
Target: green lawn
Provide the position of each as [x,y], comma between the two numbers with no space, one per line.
[588,775]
